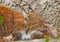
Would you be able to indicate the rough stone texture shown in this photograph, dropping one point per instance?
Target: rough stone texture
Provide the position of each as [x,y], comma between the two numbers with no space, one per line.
[37,40]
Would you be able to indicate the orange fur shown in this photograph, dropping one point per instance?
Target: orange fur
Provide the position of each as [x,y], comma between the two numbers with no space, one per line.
[14,21]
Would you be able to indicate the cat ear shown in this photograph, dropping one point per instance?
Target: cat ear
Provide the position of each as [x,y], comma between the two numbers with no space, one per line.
[25,14]
[30,9]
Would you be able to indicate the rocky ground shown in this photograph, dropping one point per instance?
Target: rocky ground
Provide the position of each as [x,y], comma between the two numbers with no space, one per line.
[49,9]
[40,40]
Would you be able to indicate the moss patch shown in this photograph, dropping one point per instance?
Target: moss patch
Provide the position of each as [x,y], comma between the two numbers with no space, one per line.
[1,19]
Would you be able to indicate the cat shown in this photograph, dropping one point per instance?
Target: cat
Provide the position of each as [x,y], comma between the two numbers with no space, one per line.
[37,29]
[17,27]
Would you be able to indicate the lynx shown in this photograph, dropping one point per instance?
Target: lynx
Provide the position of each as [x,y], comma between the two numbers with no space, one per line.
[16,27]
